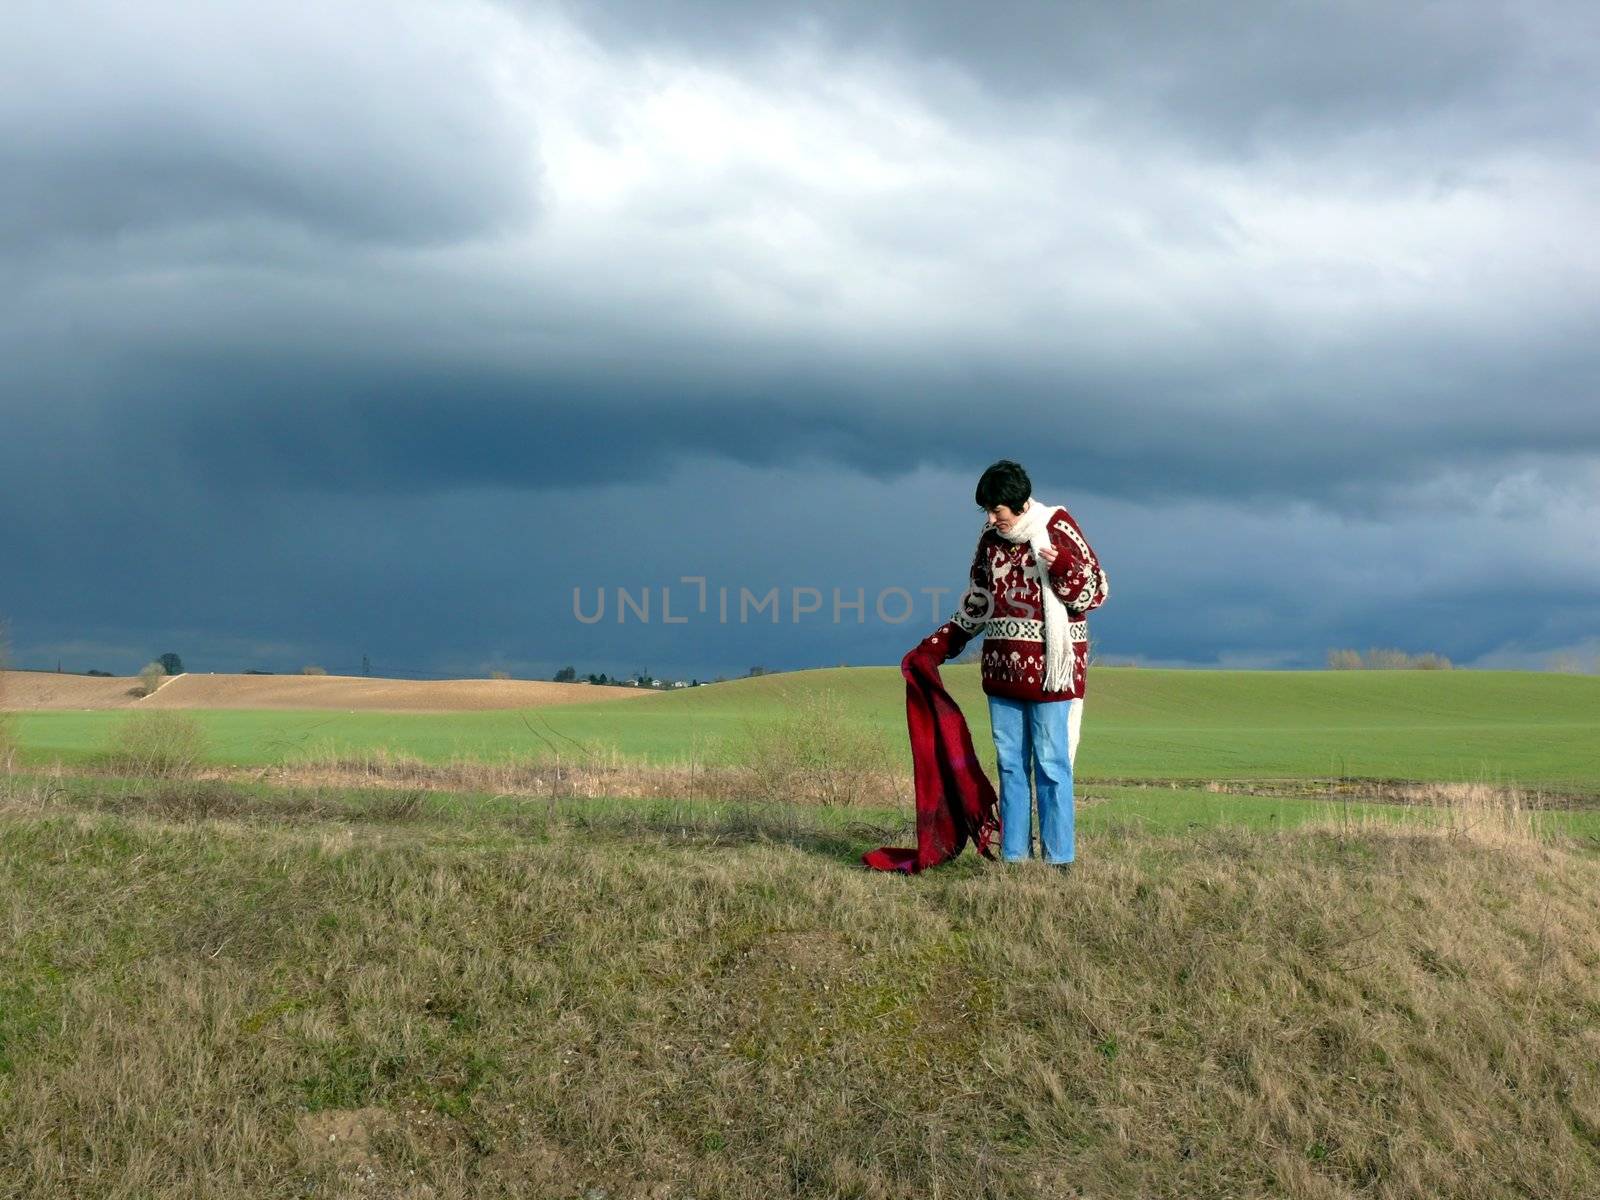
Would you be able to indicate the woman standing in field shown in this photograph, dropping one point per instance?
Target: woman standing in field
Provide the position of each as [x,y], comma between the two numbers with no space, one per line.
[1033,580]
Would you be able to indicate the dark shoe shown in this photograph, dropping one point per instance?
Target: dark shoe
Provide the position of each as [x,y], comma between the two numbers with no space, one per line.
[1062,868]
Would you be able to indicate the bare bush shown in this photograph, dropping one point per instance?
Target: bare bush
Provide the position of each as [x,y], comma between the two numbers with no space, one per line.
[1386,659]
[817,753]
[499,674]
[313,670]
[157,744]
[151,677]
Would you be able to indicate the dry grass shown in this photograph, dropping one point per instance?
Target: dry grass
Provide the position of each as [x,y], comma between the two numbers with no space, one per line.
[192,1003]
[1466,796]
[816,755]
[573,773]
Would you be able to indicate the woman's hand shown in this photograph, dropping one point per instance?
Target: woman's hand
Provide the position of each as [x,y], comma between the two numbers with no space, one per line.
[1049,554]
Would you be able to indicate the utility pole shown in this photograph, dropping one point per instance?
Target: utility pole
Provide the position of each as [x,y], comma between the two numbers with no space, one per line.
[366,665]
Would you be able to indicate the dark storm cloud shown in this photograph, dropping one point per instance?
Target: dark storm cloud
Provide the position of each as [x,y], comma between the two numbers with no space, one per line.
[1284,426]
[324,327]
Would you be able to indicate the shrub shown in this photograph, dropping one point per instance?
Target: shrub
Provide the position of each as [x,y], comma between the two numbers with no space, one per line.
[499,674]
[313,670]
[1344,660]
[818,753]
[150,678]
[157,744]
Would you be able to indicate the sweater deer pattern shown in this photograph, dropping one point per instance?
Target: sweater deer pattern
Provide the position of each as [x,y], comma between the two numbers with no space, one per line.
[1004,604]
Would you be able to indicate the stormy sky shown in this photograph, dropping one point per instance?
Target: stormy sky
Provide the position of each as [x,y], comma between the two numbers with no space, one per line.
[415,330]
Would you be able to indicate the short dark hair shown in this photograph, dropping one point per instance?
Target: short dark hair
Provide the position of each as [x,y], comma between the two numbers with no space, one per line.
[1005,482]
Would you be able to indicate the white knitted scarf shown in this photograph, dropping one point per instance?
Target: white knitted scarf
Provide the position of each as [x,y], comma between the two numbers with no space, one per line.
[1033,527]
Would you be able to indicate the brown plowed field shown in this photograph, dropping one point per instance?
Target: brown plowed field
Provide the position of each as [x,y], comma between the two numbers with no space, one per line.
[37,690]
[40,689]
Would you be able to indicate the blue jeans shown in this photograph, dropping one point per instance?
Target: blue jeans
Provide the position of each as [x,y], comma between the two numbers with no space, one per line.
[1034,736]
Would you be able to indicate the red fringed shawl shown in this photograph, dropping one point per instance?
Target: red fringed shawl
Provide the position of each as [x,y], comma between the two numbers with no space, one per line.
[955,800]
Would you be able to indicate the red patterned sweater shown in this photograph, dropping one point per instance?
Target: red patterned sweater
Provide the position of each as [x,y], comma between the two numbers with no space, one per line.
[1003,602]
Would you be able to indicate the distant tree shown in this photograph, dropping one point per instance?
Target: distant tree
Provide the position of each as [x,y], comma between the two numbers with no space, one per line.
[1381,658]
[312,670]
[499,674]
[171,663]
[1387,659]
[98,674]
[567,675]
[754,671]
[253,671]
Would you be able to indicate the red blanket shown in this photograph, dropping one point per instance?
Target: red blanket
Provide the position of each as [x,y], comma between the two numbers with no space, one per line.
[955,800]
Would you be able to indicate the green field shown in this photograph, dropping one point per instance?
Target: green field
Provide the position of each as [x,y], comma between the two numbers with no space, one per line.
[1512,728]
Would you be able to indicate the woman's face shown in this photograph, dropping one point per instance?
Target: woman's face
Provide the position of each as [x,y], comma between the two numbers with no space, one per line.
[1002,518]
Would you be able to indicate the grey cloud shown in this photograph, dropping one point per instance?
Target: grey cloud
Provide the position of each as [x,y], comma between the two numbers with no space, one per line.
[1234,78]
[119,120]
[1329,430]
